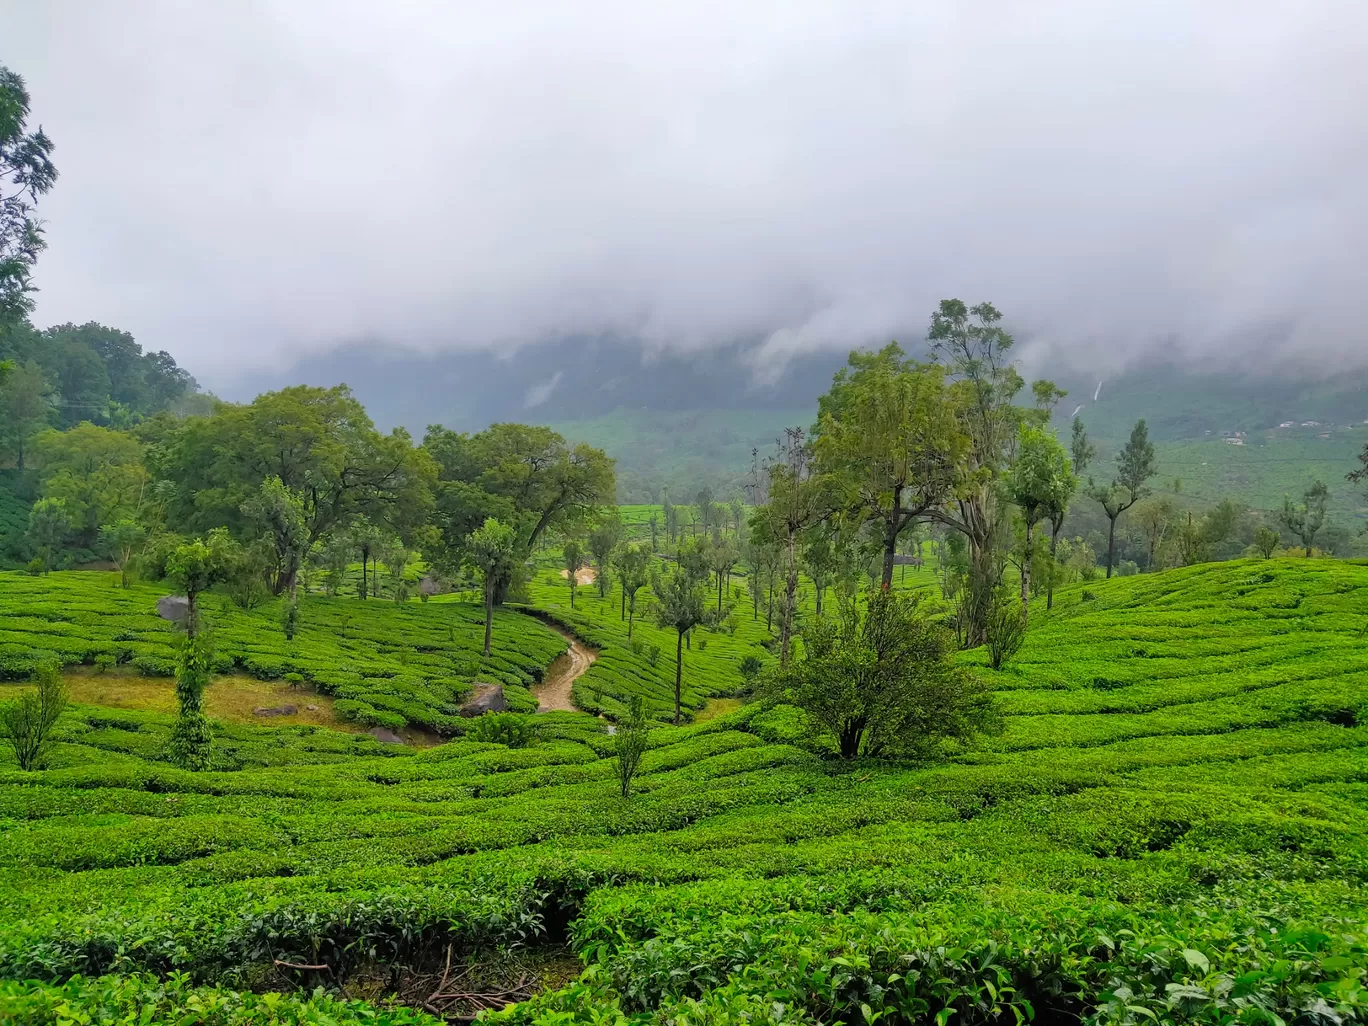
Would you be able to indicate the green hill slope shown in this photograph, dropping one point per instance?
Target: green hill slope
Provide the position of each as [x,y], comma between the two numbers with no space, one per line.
[1173,825]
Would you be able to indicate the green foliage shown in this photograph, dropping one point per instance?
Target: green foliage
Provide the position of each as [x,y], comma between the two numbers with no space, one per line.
[47,529]
[1006,629]
[630,744]
[889,439]
[386,663]
[26,723]
[1265,541]
[26,172]
[882,683]
[1306,518]
[490,551]
[175,999]
[505,728]
[119,540]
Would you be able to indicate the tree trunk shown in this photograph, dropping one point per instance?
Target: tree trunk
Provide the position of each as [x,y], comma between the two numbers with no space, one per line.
[819,589]
[1111,544]
[850,739]
[489,613]
[891,540]
[790,597]
[754,583]
[679,673]
[364,591]
[1055,526]
[1026,576]
[769,607]
[623,616]
[631,615]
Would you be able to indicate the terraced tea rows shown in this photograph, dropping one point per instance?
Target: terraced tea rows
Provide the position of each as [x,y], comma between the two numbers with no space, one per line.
[1173,825]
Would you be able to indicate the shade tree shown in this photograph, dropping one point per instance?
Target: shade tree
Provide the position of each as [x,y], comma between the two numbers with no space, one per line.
[881,681]
[889,442]
[1135,465]
[1305,518]
[489,552]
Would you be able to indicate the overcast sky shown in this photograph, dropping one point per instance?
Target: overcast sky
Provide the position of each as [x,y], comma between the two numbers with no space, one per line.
[242,181]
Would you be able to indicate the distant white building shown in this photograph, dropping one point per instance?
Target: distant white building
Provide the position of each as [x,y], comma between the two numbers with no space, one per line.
[1233,441]
[1310,423]
[1293,423]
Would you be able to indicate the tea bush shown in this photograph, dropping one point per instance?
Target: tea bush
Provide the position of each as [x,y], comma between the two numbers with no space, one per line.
[1172,827]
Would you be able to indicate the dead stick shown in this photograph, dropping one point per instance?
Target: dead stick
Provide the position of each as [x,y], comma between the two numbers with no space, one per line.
[298,965]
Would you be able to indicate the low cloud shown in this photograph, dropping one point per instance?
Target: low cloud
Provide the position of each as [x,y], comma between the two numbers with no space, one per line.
[537,395]
[245,183]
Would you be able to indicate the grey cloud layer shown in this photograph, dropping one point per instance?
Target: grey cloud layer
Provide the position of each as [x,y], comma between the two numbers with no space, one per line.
[241,182]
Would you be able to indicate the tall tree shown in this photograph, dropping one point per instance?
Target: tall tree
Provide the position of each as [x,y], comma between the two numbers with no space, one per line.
[277,512]
[48,526]
[26,172]
[1155,516]
[25,405]
[321,445]
[889,440]
[97,472]
[603,539]
[1306,518]
[490,551]
[528,477]
[680,606]
[821,561]
[573,555]
[1081,453]
[798,499]
[1039,481]
[1134,467]
[984,384]
[119,539]
[632,569]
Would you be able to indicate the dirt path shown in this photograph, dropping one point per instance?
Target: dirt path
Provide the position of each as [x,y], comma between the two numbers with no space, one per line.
[553,694]
[586,575]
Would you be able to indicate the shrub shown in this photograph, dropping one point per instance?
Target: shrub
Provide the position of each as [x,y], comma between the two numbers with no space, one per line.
[882,684]
[750,668]
[295,680]
[26,724]
[504,728]
[1006,630]
[1087,596]
[653,654]
[629,744]
[105,661]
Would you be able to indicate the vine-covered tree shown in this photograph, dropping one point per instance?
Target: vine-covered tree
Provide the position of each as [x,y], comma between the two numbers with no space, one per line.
[195,567]
[119,540]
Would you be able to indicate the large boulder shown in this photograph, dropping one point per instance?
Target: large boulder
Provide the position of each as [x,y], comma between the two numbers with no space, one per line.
[385,736]
[429,586]
[175,608]
[277,710]
[486,699]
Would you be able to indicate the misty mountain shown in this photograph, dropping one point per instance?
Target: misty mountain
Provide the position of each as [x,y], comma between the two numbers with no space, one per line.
[572,380]
[559,381]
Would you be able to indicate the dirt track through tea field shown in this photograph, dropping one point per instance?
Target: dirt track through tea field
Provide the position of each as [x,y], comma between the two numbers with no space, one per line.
[553,694]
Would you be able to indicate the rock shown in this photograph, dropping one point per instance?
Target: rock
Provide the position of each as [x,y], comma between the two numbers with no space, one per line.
[276,710]
[429,586]
[385,736]
[175,608]
[487,698]
[311,708]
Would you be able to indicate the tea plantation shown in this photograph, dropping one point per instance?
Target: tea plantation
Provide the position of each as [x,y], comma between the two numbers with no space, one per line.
[388,663]
[1172,826]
